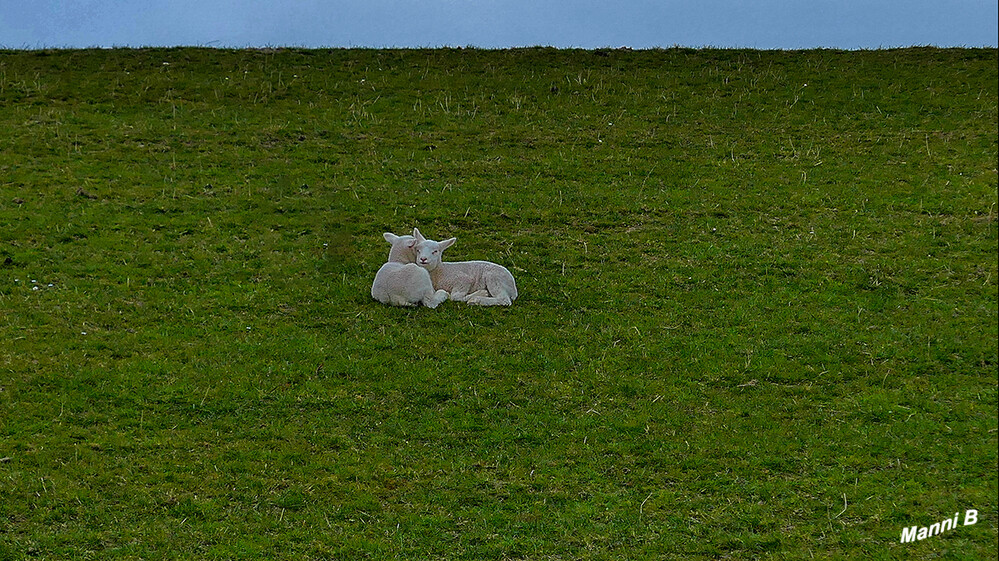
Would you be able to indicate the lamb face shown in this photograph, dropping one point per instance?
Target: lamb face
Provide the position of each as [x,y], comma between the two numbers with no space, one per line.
[429,253]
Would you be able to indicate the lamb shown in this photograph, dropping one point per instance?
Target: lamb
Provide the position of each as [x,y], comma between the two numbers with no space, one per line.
[400,282]
[480,283]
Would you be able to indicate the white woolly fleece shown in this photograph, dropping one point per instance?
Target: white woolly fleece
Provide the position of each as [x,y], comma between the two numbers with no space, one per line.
[400,282]
[481,283]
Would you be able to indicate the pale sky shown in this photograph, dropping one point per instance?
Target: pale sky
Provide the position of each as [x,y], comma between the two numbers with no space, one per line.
[760,24]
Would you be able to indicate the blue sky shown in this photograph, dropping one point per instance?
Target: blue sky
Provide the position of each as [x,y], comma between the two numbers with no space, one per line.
[762,24]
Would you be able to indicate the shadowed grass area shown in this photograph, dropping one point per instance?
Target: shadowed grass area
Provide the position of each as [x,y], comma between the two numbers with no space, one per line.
[757,314]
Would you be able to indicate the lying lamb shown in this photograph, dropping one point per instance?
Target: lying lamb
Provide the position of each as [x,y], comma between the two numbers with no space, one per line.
[400,282]
[475,282]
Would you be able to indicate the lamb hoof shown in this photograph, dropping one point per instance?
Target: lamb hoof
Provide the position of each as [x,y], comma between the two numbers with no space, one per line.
[437,299]
[489,301]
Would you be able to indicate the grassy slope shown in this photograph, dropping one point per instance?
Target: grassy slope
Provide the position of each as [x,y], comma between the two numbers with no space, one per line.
[757,315]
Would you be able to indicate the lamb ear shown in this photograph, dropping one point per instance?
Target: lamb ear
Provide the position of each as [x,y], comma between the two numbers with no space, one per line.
[390,237]
[447,243]
[419,237]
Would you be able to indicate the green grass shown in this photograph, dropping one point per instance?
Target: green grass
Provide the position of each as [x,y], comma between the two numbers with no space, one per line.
[758,311]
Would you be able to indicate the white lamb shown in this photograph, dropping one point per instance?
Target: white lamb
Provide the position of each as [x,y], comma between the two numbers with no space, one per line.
[475,282]
[400,282]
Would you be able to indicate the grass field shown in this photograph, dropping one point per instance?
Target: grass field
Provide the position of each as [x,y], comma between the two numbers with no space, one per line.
[757,313]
